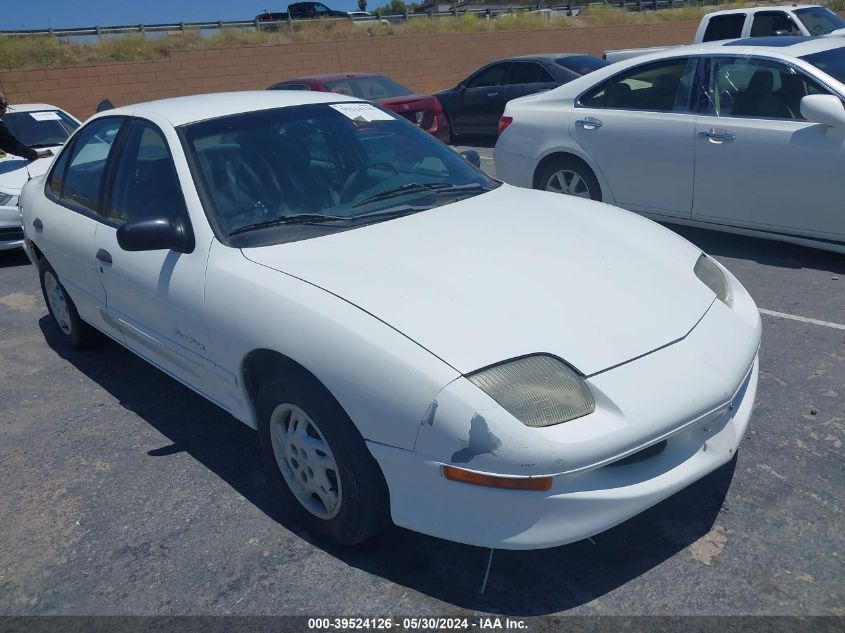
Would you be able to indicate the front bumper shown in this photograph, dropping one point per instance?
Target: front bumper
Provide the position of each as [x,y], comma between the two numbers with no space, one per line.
[11,231]
[696,395]
[514,169]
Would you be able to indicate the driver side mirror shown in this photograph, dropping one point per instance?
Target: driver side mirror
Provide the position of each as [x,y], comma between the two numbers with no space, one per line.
[825,109]
[471,156]
[155,234]
[104,105]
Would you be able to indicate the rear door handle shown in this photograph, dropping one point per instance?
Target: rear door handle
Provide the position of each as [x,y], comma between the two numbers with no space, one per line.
[589,123]
[718,136]
[104,256]
[492,94]
[38,224]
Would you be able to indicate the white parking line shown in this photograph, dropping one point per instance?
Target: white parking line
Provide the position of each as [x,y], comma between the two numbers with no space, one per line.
[835,326]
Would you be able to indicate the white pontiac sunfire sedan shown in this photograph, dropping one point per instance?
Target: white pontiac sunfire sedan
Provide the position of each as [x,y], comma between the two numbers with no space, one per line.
[743,136]
[412,339]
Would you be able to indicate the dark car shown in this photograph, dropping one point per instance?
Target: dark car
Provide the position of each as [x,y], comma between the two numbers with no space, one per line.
[302,11]
[476,104]
[423,110]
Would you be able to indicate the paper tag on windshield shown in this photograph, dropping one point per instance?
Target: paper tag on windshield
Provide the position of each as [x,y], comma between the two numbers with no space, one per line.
[361,112]
[45,116]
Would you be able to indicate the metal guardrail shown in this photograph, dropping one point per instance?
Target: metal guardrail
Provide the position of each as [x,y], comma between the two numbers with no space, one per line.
[572,8]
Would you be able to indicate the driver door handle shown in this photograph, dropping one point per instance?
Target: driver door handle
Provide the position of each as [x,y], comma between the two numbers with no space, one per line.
[718,136]
[104,256]
[492,94]
[589,123]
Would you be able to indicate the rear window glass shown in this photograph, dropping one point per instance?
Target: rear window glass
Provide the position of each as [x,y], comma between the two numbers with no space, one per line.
[368,87]
[581,64]
[724,27]
[830,61]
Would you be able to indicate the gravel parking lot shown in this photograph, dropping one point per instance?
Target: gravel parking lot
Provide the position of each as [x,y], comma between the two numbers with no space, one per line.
[126,493]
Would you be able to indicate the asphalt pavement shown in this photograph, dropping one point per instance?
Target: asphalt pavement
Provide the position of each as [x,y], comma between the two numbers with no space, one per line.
[123,492]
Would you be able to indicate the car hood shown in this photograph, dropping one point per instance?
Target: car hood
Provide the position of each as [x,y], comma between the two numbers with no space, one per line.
[15,171]
[510,273]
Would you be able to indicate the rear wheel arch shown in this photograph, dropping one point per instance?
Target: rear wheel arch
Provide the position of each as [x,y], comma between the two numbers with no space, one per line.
[557,156]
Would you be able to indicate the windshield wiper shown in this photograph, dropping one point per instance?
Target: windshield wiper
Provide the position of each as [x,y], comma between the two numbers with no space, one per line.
[433,187]
[40,145]
[396,192]
[310,219]
[388,214]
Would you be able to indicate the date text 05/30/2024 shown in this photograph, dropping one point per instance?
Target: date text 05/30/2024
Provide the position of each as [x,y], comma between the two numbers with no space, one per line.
[415,624]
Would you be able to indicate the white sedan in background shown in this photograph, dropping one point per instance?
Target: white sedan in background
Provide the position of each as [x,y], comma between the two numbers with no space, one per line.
[40,126]
[744,136]
[412,339]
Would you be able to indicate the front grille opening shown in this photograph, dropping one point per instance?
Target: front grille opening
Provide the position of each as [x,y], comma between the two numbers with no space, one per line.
[641,456]
[11,233]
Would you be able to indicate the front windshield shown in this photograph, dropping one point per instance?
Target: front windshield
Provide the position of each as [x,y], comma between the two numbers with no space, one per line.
[40,129]
[335,165]
[831,61]
[819,20]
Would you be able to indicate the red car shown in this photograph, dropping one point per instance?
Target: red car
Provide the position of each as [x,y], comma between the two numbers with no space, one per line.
[424,110]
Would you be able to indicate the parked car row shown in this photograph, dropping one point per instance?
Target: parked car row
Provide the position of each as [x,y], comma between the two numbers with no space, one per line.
[474,106]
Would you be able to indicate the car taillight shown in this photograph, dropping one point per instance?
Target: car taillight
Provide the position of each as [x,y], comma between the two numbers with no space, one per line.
[438,107]
[504,122]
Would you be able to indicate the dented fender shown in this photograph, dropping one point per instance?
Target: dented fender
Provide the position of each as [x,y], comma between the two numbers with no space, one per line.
[466,427]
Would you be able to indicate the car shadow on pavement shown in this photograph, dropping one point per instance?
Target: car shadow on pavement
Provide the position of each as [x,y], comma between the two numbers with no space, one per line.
[13,258]
[521,583]
[768,252]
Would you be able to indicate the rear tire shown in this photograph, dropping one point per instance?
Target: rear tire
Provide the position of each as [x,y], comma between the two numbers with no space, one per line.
[319,462]
[453,136]
[74,331]
[569,175]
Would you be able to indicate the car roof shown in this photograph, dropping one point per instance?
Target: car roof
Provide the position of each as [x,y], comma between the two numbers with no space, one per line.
[31,107]
[329,77]
[790,45]
[546,56]
[783,7]
[184,110]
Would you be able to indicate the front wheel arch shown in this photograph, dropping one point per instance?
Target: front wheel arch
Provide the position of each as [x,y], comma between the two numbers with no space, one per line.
[560,157]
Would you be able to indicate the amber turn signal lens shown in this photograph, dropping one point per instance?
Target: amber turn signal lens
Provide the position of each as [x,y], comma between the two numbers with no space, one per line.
[494,481]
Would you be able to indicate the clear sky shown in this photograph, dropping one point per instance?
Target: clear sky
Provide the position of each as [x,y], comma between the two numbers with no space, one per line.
[37,14]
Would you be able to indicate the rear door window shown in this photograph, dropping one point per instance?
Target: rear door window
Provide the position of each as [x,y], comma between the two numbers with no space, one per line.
[79,188]
[528,73]
[663,86]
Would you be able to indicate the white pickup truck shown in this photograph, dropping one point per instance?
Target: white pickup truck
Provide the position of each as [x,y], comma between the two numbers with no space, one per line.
[810,20]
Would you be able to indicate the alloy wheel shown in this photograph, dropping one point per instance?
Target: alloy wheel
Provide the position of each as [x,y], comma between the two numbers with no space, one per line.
[569,182]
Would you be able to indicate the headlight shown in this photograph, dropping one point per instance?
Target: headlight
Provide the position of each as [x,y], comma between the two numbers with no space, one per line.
[536,390]
[713,277]
[8,199]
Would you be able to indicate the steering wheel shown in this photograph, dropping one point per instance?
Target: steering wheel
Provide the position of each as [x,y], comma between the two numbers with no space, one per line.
[353,185]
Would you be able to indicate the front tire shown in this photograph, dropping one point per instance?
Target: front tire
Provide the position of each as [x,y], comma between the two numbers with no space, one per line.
[319,462]
[74,331]
[569,175]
